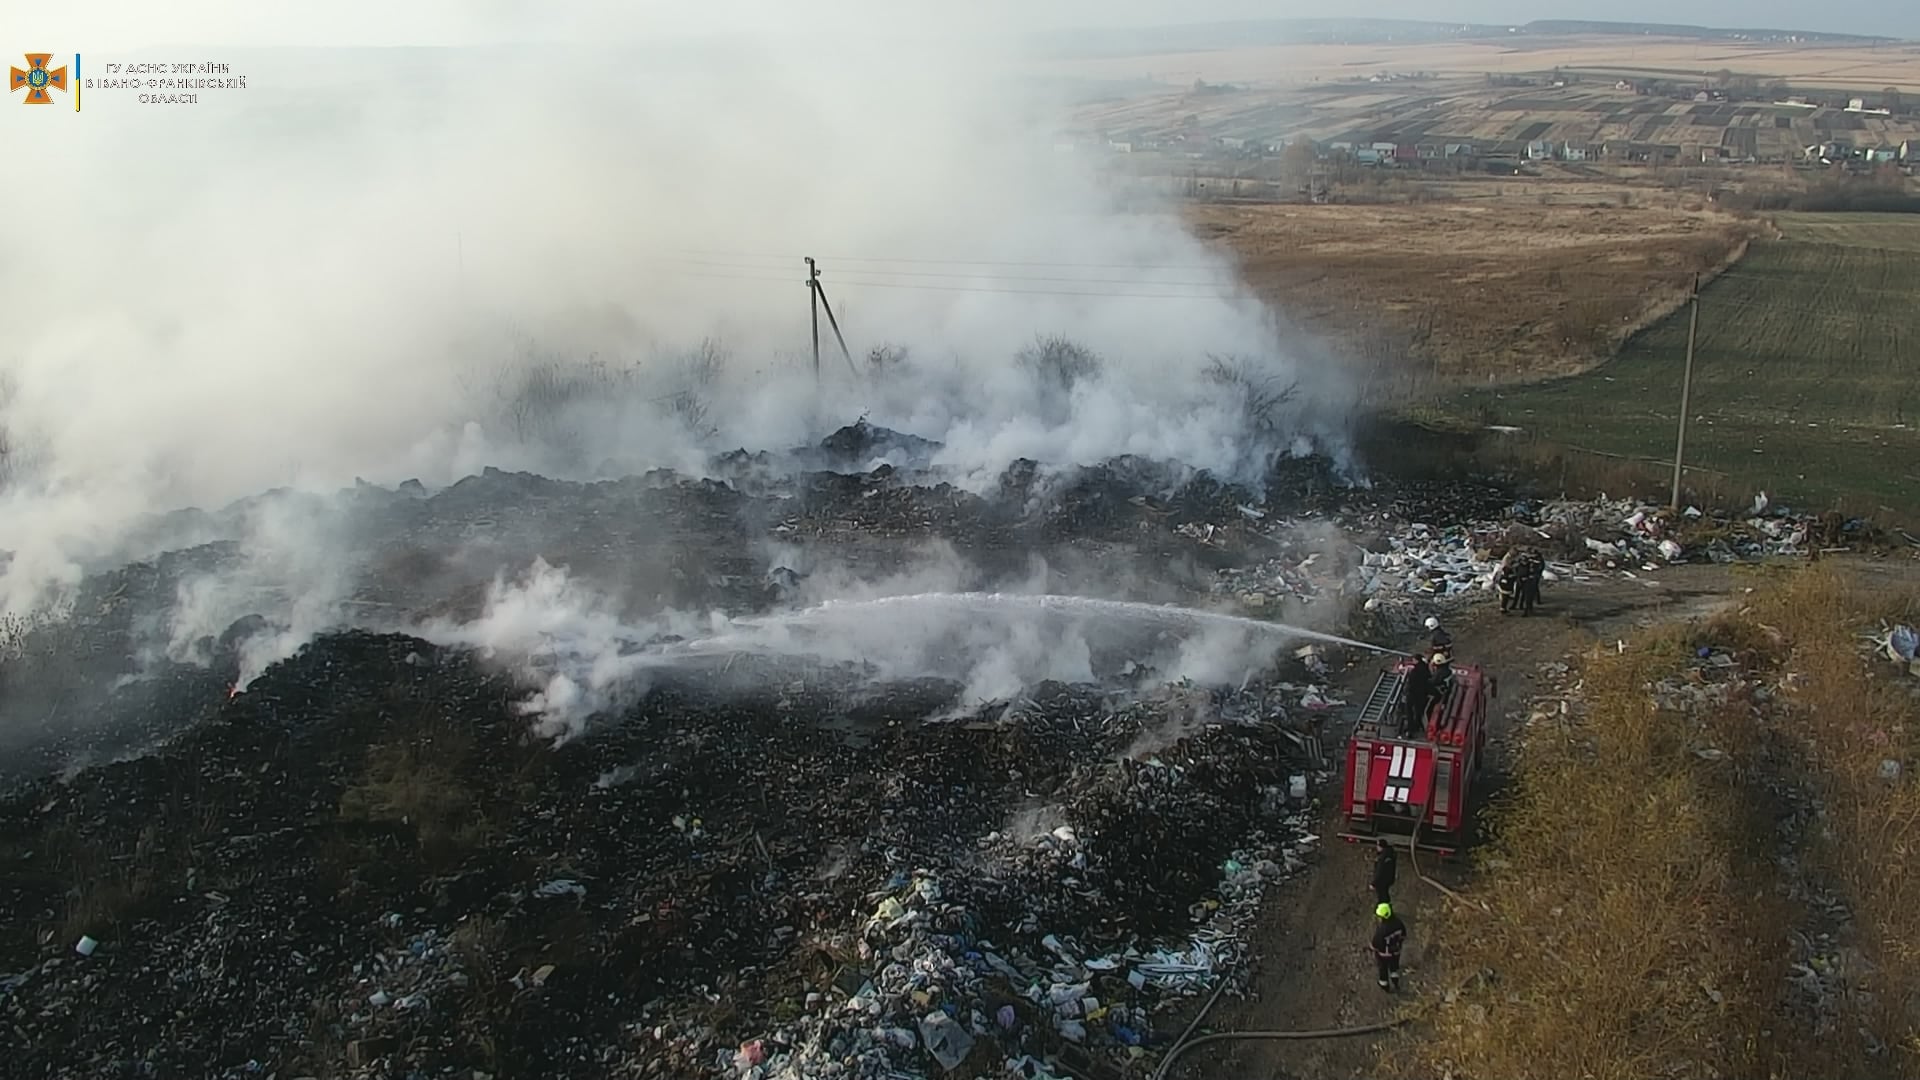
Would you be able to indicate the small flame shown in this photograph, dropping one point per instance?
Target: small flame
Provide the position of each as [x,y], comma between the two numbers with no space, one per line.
[233,691]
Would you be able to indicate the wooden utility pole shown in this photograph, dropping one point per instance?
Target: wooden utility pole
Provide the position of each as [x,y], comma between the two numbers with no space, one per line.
[813,298]
[1686,391]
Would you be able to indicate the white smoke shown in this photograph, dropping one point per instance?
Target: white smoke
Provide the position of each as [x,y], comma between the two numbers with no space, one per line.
[410,264]
[581,659]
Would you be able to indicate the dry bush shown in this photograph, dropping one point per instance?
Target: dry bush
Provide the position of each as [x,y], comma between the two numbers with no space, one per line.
[1852,712]
[1059,362]
[1261,391]
[1628,934]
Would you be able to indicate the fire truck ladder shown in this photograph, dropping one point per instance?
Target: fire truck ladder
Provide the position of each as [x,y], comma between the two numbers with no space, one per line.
[1380,703]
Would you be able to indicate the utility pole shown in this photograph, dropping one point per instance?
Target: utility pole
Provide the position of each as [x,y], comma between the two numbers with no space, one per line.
[813,298]
[821,291]
[1686,390]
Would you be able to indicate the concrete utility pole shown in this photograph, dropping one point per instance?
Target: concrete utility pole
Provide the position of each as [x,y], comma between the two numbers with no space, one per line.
[1686,391]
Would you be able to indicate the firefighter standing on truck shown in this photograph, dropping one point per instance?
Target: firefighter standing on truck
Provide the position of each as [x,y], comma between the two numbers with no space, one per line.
[1383,871]
[1389,934]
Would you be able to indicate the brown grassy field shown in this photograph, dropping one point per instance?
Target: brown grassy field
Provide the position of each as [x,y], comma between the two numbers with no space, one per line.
[1654,868]
[1470,291]
[1865,68]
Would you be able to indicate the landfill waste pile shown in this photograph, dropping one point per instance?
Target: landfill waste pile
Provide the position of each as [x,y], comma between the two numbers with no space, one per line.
[264,818]
[1394,561]
[362,866]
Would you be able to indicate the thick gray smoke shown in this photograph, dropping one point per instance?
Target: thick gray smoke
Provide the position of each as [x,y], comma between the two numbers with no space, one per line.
[578,259]
[573,246]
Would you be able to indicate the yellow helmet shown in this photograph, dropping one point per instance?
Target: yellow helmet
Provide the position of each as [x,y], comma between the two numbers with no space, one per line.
[1383,911]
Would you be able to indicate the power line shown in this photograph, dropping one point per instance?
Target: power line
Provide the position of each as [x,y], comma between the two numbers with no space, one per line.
[975,275]
[1740,305]
[1102,293]
[1215,268]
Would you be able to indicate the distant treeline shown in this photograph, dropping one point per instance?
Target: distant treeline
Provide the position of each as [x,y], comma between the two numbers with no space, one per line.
[1587,26]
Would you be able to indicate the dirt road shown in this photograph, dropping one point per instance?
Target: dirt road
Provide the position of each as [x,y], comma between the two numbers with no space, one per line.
[1314,970]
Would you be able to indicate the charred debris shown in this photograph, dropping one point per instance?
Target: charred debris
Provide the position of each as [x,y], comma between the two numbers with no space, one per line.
[367,865]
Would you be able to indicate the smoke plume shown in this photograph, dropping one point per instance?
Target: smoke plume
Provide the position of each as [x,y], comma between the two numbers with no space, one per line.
[569,239]
[577,250]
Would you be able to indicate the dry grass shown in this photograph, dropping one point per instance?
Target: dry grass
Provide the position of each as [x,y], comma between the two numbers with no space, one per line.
[1851,714]
[1629,935]
[1638,912]
[1471,291]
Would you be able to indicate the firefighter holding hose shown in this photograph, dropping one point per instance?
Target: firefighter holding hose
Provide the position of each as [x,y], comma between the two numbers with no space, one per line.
[1389,935]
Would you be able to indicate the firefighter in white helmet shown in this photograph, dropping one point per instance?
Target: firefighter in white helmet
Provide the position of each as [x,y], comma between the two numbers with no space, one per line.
[1440,663]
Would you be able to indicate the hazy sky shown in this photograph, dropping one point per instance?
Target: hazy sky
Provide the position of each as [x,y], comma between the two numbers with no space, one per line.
[1893,18]
[108,26]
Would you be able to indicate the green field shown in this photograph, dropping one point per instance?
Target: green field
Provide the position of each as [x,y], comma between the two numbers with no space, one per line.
[1806,373]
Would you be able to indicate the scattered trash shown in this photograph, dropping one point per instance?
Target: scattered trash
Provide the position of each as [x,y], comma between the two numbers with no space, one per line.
[561,887]
[1902,644]
[946,1040]
[822,876]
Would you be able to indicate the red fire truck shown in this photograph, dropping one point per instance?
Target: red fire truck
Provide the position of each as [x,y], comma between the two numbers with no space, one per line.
[1417,786]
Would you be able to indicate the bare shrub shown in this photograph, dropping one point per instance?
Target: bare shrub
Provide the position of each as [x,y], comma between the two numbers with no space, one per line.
[1057,365]
[694,374]
[1059,361]
[536,390]
[1263,394]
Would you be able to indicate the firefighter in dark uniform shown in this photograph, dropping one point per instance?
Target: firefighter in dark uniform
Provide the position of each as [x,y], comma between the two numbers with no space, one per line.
[1384,867]
[1531,573]
[1440,667]
[1389,935]
[1414,698]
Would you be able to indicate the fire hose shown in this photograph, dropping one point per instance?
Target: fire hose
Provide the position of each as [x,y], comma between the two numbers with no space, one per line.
[1186,1042]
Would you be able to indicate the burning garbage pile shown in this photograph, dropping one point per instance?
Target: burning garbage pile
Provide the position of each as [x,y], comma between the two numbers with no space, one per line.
[363,865]
[360,858]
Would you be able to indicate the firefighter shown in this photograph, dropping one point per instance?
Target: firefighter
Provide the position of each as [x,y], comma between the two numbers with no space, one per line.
[1415,694]
[1440,669]
[1534,569]
[1383,870]
[1389,934]
[1507,583]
